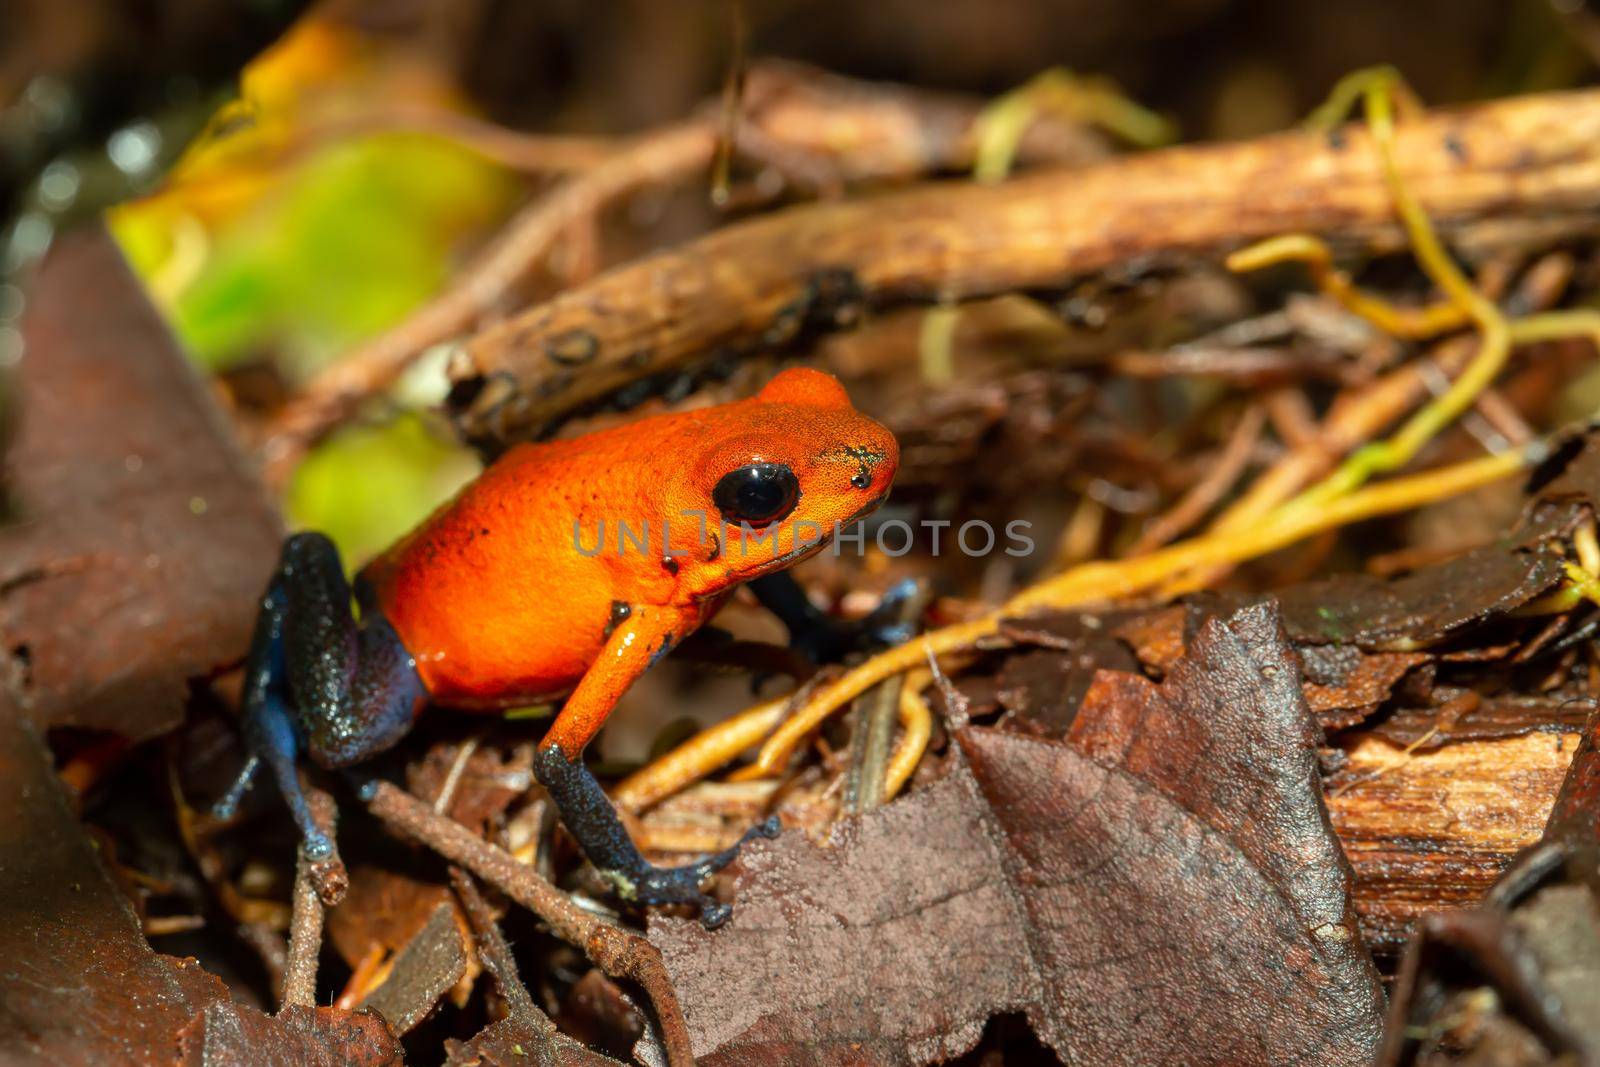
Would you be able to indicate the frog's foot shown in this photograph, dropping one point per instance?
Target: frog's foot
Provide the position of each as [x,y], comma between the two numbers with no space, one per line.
[822,639]
[886,624]
[269,733]
[645,883]
[589,817]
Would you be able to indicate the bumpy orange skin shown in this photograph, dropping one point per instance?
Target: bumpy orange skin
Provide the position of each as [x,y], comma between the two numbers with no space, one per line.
[506,595]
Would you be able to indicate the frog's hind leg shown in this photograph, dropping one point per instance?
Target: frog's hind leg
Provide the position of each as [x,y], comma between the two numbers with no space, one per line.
[355,687]
[319,681]
[269,730]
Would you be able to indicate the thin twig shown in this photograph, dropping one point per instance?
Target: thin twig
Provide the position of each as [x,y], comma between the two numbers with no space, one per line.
[452,780]
[493,950]
[732,104]
[916,727]
[305,924]
[1245,364]
[618,952]
[1292,417]
[1503,417]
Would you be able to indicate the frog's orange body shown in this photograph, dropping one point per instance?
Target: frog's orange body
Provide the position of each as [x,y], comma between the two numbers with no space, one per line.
[514,590]
[568,566]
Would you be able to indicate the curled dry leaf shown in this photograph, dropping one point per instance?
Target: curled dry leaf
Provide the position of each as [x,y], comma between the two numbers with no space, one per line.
[1424,606]
[1344,685]
[1160,885]
[1044,689]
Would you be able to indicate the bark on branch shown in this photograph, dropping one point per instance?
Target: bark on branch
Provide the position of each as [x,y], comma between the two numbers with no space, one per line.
[822,131]
[767,283]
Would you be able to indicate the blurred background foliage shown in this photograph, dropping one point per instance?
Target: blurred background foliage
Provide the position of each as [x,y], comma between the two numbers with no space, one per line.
[281,237]
[280,233]
[312,212]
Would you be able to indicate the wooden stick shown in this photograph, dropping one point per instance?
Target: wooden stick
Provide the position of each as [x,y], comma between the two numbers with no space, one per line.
[765,283]
[305,924]
[821,129]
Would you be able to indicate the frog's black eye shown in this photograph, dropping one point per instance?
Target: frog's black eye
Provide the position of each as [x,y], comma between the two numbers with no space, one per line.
[757,494]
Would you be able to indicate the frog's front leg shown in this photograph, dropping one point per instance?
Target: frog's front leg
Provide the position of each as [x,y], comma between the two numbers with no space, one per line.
[586,811]
[319,681]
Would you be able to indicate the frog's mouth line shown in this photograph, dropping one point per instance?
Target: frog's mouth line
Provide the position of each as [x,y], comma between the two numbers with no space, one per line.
[868,508]
[793,554]
[816,546]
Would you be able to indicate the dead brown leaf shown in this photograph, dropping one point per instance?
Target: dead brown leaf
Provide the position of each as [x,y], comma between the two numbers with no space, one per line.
[1161,885]
[1427,604]
[142,540]
[430,964]
[78,982]
[229,1033]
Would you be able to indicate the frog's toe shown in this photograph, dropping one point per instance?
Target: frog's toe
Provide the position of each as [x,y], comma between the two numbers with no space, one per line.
[830,641]
[227,807]
[653,886]
[593,822]
[317,846]
[767,828]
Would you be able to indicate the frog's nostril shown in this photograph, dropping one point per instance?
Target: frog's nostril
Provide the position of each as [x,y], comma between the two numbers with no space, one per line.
[869,461]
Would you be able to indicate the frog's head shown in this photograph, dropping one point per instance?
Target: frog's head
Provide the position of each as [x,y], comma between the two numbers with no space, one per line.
[800,465]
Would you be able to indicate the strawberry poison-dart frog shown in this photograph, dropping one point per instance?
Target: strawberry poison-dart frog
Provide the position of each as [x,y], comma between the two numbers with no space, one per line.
[566,567]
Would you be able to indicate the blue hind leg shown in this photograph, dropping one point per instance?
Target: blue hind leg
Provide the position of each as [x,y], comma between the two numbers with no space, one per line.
[269,730]
[319,682]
